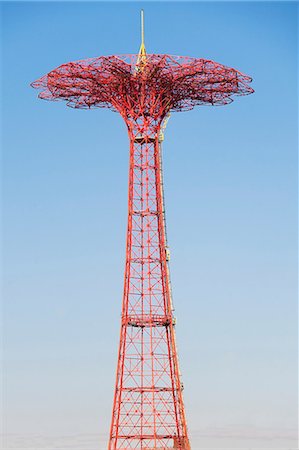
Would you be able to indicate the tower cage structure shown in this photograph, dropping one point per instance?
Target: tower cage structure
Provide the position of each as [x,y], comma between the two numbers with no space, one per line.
[148,410]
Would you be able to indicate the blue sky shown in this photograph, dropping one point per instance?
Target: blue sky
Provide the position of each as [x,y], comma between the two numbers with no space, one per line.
[230,187]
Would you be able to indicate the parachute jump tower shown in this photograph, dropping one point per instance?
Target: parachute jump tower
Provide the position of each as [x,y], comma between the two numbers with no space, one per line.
[148,409]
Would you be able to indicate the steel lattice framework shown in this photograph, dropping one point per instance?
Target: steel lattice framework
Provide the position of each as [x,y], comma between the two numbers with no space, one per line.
[148,410]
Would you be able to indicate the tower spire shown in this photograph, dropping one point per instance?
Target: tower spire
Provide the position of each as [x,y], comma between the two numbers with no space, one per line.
[142,52]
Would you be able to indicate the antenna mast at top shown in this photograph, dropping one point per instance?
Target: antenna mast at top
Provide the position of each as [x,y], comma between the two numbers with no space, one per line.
[142,51]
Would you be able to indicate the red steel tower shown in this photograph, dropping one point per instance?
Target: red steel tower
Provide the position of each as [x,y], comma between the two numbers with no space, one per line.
[148,410]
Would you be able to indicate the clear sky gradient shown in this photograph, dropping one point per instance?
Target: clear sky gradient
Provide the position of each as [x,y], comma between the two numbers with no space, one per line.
[230,187]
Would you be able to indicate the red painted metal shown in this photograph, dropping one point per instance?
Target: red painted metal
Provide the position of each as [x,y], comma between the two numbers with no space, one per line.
[148,410]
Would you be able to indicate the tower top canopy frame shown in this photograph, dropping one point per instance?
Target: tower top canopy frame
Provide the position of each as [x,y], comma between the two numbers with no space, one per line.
[165,83]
